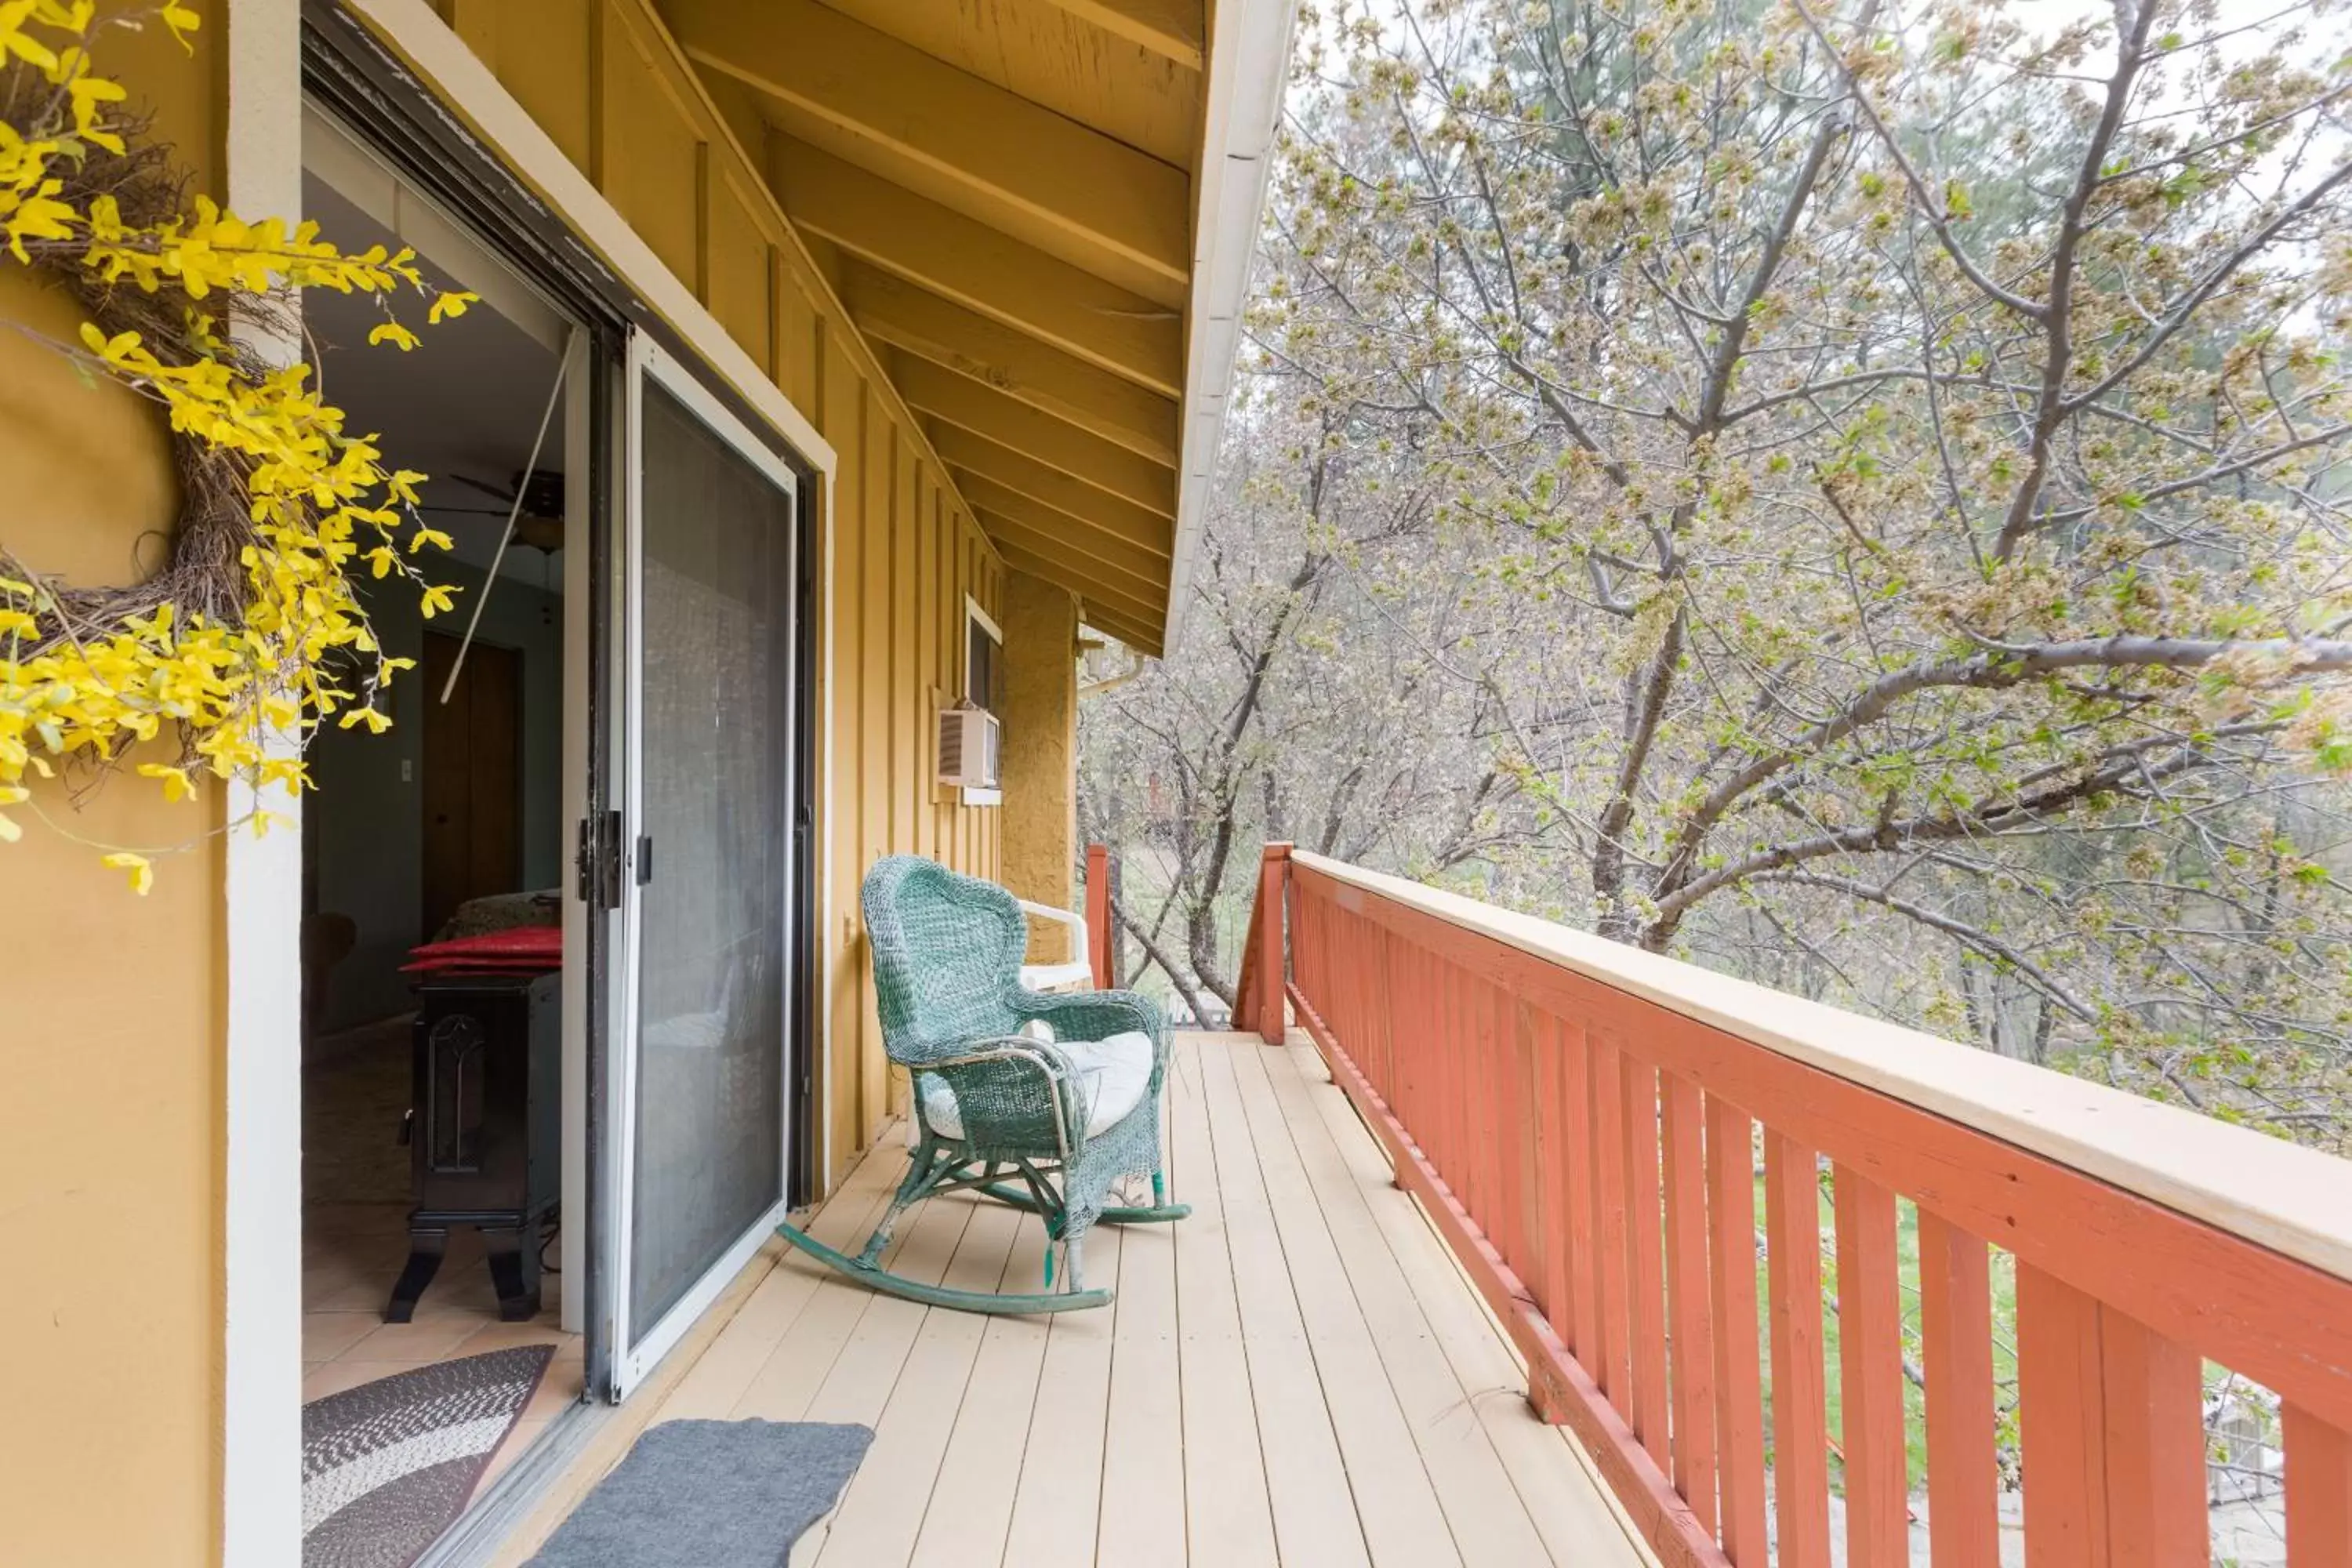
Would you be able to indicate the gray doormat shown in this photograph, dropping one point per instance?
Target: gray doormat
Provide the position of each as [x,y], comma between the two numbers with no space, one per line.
[386,1466]
[710,1494]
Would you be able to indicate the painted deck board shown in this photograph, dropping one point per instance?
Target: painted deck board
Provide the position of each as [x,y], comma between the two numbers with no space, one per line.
[1296,1375]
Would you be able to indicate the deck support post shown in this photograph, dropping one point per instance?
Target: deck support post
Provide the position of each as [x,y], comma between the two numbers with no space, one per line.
[1099,915]
[1272,889]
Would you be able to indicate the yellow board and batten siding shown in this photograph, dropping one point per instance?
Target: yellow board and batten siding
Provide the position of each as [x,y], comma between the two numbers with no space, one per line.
[604,80]
[112,1128]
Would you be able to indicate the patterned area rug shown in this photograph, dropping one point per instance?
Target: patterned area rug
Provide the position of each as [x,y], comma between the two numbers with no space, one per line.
[386,1466]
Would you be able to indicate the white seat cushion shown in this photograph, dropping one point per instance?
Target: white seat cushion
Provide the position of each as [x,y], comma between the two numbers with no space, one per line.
[1111,1075]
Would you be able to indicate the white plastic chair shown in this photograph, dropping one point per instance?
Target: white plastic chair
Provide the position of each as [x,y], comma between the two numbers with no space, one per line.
[1078,974]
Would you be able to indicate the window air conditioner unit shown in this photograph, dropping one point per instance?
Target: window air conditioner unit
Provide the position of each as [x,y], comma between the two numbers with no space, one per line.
[968,739]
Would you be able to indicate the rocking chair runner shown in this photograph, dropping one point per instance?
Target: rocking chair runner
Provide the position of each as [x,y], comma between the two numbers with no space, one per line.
[1065,1118]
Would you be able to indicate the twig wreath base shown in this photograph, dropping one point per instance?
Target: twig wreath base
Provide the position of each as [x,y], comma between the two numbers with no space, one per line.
[253,630]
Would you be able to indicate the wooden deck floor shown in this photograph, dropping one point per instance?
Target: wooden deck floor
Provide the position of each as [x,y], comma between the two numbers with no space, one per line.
[1297,1374]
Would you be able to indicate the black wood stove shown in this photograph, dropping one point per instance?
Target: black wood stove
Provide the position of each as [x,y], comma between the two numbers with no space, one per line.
[485,1130]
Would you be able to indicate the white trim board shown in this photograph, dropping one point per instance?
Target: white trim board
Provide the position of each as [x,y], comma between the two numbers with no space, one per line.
[261,1381]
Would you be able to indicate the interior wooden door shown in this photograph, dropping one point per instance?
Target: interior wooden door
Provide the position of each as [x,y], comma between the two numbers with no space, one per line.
[473,777]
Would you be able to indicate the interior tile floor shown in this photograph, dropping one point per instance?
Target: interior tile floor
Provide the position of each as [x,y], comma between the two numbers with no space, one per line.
[355,1239]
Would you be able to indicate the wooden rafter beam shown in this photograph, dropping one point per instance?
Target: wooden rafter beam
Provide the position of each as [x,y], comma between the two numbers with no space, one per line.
[1056,534]
[892,311]
[982,268]
[947,399]
[1169,28]
[965,142]
[1140,639]
[996,469]
[1137,582]
[1072,574]
[1074,532]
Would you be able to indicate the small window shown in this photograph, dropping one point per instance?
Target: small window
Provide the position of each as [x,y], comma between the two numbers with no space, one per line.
[983,687]
[983,660]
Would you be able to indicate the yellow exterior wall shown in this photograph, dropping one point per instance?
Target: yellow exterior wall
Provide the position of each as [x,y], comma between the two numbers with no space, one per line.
[113,1059]
[110,1060]
[609,87]
[1041,752]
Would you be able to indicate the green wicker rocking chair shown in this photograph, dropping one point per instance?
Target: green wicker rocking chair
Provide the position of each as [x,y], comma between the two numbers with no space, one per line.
[1049,1126]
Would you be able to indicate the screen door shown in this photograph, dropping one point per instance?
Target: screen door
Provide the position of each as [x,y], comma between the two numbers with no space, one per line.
[700,1089]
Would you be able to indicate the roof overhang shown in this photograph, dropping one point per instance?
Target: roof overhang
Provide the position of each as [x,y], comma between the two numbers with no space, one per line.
[1041,214]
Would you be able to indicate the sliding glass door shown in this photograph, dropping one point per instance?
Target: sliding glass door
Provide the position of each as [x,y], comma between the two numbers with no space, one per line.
[700,1077]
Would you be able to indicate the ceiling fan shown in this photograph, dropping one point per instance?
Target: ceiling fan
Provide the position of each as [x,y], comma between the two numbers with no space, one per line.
[539,521]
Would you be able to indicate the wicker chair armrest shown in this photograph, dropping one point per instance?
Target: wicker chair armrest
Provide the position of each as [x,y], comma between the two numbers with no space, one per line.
[1094,1014]
[978,1071]
[1097,1016]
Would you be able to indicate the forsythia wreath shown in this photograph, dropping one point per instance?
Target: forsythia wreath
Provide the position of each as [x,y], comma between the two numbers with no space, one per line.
[252,636]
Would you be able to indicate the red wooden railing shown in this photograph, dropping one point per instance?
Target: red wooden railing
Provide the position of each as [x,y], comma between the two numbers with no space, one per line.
[1583,1122]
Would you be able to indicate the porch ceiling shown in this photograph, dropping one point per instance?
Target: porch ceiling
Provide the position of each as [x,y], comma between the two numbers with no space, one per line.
[1006,195]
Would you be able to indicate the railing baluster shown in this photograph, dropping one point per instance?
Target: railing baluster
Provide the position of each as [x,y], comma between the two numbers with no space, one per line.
[1692,1342]
[2318,1491]
[1870,1366]
[2110,1424]
[1410,966]
[1792,1225]
[1479,1103]
[1739,1380]
[2155,1412]
[1505,1100]
[1448,1110]
[1581,1197]
[1430,1127]
[1645,1263]
[1517,1112]
[1956,1340]
[1550,1202]
[1610,1226]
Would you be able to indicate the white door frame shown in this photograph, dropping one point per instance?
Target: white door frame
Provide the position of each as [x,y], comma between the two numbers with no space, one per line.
[634,1355]
[261,1263]
[261,1440]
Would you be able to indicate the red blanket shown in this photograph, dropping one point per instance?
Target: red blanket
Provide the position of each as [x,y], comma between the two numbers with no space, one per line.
[522,948]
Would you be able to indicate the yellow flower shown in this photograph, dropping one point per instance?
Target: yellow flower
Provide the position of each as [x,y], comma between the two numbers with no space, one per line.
[176,786]
[437,599]
[450,305]
[376,721]
[182,21]
[394,333]
[39,216]
[143,875]
[87,92]
[432,536]
[13,41]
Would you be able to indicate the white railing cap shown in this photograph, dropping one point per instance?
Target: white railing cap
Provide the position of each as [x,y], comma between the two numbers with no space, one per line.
[2294,1200]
